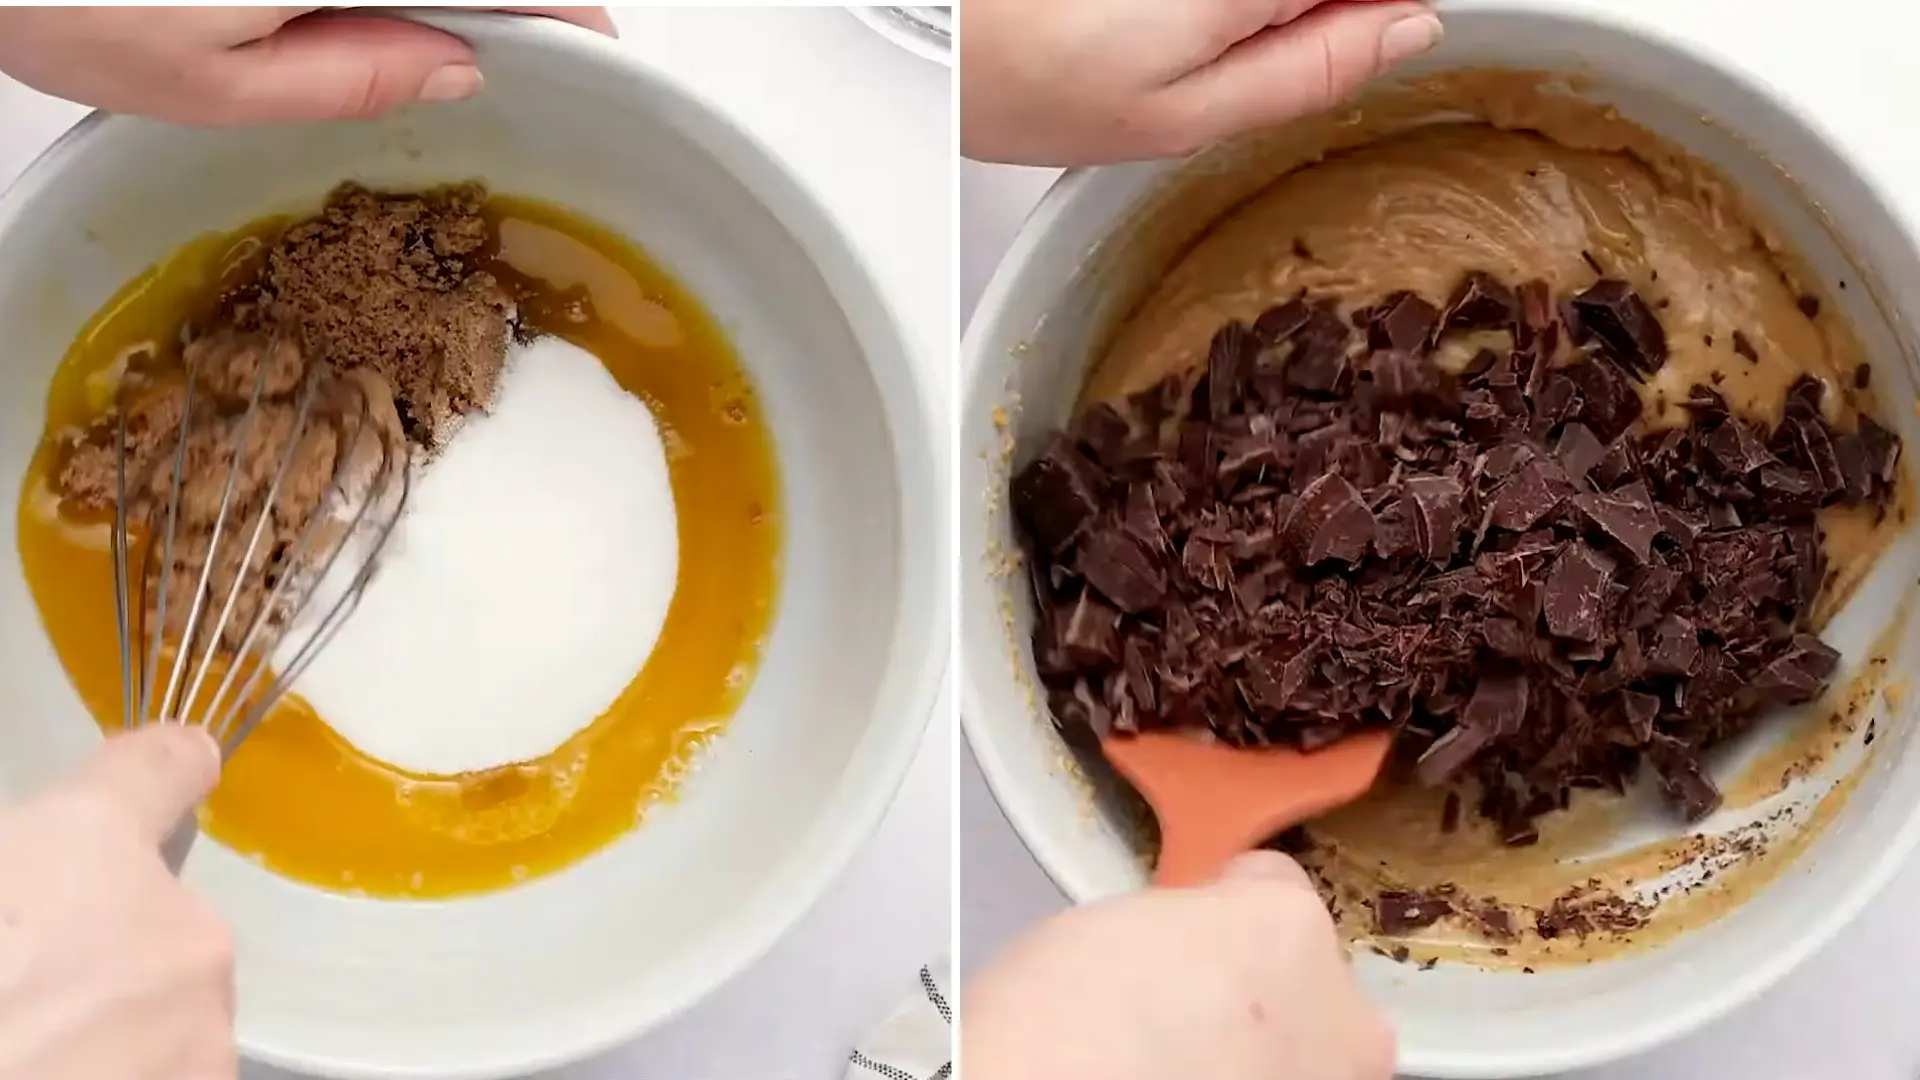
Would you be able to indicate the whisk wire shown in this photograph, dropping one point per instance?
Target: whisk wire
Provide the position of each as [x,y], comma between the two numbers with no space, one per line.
[183,654]
[287,454]
[118,549]
[152,664]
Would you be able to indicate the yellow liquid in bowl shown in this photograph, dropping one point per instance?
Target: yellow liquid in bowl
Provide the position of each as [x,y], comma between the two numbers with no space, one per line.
[301,800]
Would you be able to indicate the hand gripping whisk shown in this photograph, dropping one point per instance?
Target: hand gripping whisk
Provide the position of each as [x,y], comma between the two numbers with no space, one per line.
[214,576]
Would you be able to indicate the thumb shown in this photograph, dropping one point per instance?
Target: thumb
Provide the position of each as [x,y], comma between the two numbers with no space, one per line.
[155,774]
[332,66]
[1299,68]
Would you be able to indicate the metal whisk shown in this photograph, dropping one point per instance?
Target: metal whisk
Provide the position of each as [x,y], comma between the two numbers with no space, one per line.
[214,665]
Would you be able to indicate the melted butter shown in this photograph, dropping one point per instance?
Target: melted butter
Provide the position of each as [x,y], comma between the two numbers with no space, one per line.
[1521,181]
[297,797]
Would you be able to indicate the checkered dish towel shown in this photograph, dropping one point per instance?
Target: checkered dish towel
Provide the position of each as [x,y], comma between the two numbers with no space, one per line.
[916,1042]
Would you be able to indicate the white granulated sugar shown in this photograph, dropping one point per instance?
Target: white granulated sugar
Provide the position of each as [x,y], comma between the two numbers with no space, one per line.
[525,585]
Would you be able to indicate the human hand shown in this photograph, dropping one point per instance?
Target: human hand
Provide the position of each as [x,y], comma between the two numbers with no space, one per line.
[1081,82]
[109,967]
[243,65]
[1243,979]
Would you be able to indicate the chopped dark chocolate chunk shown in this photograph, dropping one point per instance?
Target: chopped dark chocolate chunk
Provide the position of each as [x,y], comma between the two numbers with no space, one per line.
[1856,469]
[1496,922]
[1450,753]
[1676,647]
[1681,525]
[1575,599]
[1480,303]
[1319,361]
[1104,433]
[1735,448]
[1608,403]
[1404,323]
[1400,377]
[1055,497]
[1229,362]
[1499,705]
[1437,501]
[1789,492]
[1640,709]
[1281,321]
[1800,674]
[1683,777]
[1619,465]
[1089,634]
[1117,565]
[1745,348]
[1329,522]
[1579,450]
[1625,514]
[1614,313]
[1398,912]
[1537,489]
[1883,451]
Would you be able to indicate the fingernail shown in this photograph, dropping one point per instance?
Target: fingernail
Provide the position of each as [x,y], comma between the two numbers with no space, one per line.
[451,83]
[1408,38]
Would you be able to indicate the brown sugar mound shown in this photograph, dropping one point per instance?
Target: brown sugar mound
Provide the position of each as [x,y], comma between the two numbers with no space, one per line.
[352,415]
[387,282]
[379,301]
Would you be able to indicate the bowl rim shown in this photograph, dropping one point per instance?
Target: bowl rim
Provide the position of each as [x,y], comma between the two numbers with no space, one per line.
[920,653]
[1057,858]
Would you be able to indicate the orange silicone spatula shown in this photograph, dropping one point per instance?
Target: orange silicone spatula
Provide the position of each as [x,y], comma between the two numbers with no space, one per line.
[1215,801]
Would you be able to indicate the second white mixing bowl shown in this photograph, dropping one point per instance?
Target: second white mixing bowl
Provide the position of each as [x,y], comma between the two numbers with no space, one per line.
[1077,265]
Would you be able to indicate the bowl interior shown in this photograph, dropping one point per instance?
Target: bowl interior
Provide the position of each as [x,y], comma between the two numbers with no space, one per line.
[1028,349]
[565,965]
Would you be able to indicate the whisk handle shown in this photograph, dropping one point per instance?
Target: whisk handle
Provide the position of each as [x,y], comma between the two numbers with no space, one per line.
[178,845]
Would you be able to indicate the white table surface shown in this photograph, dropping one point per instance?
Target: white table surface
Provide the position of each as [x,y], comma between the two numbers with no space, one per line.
[870,126]
[1846,1015]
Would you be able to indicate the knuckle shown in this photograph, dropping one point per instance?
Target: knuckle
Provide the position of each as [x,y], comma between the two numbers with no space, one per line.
[365,93]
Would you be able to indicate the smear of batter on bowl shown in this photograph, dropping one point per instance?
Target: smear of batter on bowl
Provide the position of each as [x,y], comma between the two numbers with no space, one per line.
[1528,444]
[560,632]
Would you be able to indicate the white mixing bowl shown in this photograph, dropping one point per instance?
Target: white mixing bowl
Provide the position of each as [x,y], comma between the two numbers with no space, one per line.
[570,964]
[1080,263]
